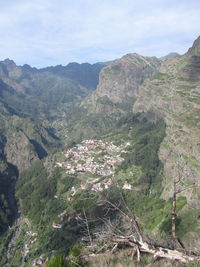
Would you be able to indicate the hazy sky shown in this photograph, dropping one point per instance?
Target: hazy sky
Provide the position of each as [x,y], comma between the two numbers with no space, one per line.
[51,32]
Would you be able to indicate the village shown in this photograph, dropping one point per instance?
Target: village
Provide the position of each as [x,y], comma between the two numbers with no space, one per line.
[92,157]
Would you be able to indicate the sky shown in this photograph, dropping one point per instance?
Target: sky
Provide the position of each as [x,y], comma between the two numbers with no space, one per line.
[52,32]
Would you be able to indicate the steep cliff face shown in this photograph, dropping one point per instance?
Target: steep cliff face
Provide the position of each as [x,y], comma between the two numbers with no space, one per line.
[25,139]
[11,74]
[26,142]
[119,83]
[19,150]
[174,94]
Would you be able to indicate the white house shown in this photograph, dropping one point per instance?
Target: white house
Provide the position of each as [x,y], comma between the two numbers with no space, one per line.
[126,185]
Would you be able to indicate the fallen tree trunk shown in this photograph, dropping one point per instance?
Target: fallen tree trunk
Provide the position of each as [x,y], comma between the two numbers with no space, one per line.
[140,242]
[157,252]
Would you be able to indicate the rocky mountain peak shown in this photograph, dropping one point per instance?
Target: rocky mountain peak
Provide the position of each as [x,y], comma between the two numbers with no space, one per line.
[10,69]
[28,68]
[119,82]
[195,49]
[9,63]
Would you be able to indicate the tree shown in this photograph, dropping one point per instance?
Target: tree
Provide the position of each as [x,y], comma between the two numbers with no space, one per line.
[136,238]
[179,187]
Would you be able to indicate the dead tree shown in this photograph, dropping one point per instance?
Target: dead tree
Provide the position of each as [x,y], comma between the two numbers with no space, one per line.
[178,187]
[138,245]
[137,240]
[87,226]
[174,212]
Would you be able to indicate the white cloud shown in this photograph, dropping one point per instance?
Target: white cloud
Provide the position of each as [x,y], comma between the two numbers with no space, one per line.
[52,32]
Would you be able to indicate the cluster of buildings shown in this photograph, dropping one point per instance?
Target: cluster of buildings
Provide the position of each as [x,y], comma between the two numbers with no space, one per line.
[92,156]
[101,186]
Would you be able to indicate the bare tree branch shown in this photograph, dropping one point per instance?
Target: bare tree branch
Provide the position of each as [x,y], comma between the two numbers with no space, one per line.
[87,225]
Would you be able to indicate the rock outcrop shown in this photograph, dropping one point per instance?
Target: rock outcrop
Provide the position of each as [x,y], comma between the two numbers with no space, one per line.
[119,83]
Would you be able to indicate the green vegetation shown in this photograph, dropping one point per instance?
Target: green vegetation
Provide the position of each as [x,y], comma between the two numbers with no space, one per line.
[160,76]
[132,175]
[184,79]
[187,221]
[143,151]
[167,223]
[104,100]
[57,261]
[116,107]
[7,208]
[150,209]
[91,126]
[34,189]
[35,193]
[141,168]
[115,69]
[192,161]
[72,261]
[186,87]
[197,264]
